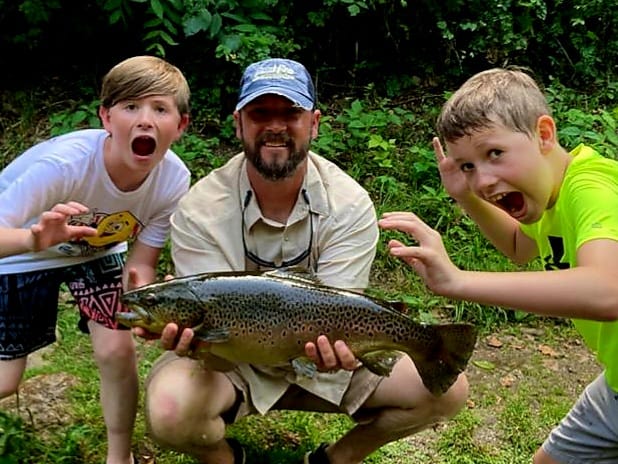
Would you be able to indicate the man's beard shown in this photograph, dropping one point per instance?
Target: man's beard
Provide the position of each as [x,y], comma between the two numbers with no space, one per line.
[276,170]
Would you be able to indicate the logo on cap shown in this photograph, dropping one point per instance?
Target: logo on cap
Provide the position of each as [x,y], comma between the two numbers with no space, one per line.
[276,71]
[277,76]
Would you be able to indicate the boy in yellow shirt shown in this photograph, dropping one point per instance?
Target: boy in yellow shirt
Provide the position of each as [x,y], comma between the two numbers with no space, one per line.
[530,198]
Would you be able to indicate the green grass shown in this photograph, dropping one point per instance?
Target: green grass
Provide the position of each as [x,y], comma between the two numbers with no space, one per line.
[503,425]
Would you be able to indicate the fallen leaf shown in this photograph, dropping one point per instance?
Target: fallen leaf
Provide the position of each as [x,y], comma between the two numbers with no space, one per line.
[494,342]
[507,381]
[487,365]
[548,351]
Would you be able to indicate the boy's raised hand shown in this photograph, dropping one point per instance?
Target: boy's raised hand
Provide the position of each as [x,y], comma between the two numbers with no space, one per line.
[53,227]
[429,258]
[453,178]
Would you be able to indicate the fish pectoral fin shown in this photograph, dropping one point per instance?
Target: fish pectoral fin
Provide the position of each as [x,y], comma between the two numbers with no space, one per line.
[304,366]
[219,335]
[380,362]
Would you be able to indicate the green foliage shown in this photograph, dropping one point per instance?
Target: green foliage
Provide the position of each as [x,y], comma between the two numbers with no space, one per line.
[571,35]
[13,439]
[81,117]
[589,119]
[360,139]
[198,153]
[400,46]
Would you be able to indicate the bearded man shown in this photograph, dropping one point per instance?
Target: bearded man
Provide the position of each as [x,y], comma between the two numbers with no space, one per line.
[278,205]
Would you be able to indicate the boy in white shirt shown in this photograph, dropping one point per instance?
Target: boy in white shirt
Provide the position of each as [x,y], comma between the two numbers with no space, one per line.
[130,181]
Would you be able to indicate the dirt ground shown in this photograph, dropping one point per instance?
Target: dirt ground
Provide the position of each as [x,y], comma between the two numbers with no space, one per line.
[502,361]
[539,359]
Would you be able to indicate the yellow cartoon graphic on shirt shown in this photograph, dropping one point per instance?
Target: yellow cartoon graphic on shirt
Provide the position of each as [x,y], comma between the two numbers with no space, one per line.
[115,228]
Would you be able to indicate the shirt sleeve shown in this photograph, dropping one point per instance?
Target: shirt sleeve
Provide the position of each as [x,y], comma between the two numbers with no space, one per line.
[24,199]
[157,229]
[194,250]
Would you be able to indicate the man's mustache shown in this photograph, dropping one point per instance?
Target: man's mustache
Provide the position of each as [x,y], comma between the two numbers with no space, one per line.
[274,138]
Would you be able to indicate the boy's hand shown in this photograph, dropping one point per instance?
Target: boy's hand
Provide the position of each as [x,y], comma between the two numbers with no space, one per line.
[53,228]
[329,357]
[429,258]
[453,178]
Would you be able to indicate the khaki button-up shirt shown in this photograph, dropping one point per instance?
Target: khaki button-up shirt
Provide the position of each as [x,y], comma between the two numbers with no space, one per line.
[334,214]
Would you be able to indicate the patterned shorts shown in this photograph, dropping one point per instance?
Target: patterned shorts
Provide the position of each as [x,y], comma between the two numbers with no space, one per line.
[29,302]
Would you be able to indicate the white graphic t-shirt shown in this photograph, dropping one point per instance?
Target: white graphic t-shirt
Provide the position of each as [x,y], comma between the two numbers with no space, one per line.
[70,167]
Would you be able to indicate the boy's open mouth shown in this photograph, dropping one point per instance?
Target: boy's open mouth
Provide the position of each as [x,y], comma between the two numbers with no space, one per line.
[143,146]
[512,202]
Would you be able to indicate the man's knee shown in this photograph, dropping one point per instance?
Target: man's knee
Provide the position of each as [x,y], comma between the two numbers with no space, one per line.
[181,398]
[181,421]
[451,402]
[164,408]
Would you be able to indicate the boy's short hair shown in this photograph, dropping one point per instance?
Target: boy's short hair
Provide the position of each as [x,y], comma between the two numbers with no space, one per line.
[144,76]
[506,96]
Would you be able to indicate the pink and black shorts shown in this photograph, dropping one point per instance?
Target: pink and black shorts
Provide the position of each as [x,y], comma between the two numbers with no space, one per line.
[29,302]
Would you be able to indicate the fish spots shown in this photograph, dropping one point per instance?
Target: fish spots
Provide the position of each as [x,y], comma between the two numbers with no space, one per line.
[266,319]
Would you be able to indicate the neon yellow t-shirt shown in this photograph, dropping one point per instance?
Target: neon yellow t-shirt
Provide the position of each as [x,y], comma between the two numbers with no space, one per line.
[587,209]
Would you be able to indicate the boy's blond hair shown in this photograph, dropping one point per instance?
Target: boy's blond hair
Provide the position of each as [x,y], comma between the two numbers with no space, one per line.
[508,97]
[143,76]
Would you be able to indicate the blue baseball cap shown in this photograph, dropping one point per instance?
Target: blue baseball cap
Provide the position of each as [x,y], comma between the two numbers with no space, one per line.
[277,76]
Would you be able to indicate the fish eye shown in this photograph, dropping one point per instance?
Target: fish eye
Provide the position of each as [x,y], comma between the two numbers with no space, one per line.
[151,298]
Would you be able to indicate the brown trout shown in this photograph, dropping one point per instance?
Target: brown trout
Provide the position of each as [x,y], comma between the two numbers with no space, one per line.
[265,318]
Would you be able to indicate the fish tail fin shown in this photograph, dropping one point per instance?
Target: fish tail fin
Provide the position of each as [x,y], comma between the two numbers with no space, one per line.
[441,366]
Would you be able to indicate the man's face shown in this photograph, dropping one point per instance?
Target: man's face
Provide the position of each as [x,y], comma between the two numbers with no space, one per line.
[275,134]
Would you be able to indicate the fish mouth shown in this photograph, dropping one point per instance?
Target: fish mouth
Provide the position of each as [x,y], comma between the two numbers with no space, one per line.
[511,202]
[143,145]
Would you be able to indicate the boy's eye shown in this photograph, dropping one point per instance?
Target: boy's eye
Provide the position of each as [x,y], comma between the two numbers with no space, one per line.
[466,167]
[494,153]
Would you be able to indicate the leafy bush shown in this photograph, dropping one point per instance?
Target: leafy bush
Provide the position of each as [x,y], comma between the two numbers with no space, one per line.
[399,46]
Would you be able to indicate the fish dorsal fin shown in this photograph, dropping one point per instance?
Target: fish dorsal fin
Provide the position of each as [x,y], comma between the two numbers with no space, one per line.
[399,306]
[299,274]
[394,305]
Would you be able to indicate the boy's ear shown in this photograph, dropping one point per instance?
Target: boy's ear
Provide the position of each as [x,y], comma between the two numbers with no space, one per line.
[104,116]
[184,122]
[546,131]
